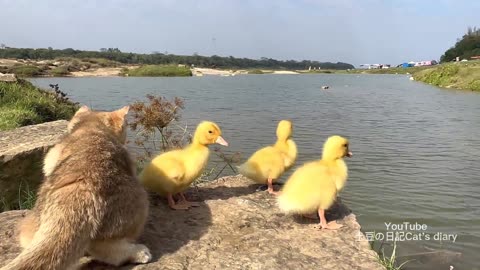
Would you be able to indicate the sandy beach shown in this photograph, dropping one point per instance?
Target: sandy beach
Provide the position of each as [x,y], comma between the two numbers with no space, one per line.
[100,72]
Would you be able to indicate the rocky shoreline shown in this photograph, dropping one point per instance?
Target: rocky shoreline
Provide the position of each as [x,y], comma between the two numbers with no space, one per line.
[236,227]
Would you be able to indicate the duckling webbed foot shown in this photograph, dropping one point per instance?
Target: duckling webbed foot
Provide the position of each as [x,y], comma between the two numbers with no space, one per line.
[183,201]
[175,206]
[270,187]
[332,225]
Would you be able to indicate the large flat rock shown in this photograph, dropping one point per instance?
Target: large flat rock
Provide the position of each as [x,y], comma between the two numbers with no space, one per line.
[24,140]
[236,227]
[8,77]
[21,158]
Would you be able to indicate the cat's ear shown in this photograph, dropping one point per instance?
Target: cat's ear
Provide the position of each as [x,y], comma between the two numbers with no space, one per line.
[76,117]
[84,108]
[124,110]
[120,115]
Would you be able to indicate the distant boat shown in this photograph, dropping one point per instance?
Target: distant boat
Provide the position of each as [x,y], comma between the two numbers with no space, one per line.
[325,87]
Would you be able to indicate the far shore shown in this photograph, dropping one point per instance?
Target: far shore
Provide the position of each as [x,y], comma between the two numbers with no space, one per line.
[118,70]
[461,75]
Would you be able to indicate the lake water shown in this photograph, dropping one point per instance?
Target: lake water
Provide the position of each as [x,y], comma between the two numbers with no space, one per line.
[416,147]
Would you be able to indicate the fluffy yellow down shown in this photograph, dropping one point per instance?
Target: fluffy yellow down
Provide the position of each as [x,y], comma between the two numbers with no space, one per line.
[174,171]
[315,185]
[272,161]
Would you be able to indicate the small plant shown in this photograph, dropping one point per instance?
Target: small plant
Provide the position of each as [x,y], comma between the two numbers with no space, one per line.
[26,200]
[389,262]
[157,127]
[154,120]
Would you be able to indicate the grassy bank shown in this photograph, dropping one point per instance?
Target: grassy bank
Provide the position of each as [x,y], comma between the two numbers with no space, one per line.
[23,104]
[457,75]
[461,75]
[158,71]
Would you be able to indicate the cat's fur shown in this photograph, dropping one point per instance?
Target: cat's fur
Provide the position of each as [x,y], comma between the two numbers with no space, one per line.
[91,200]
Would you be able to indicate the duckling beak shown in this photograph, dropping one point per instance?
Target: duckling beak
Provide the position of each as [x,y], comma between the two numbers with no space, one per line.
[349,154]
[221,141]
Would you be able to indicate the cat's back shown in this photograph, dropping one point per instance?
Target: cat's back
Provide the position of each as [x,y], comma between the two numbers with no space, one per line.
[93,156]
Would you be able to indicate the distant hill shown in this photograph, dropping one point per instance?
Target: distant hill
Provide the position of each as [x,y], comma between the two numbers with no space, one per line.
[465,48]
[160,59]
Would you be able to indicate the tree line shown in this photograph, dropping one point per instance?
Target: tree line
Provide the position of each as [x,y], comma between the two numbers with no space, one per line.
[157,58]
[465,48]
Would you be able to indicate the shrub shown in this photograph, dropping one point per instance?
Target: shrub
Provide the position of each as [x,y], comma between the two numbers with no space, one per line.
[59,71]
[26,71]
[256,71]
[474,85]
[157,128]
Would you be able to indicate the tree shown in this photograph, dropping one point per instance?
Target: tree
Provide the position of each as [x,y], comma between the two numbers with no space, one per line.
[466,47]
[115,54]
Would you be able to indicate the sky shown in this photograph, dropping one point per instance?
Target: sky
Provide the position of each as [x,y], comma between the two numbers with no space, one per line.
[352,31]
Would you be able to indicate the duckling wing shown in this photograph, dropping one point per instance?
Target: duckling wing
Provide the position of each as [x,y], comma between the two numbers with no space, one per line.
[291,155]
[164,174]
[266,163]
[308,189]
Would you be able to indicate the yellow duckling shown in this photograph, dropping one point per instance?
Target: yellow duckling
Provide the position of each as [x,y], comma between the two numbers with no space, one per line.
[172,172]
[314,186]
[267,164]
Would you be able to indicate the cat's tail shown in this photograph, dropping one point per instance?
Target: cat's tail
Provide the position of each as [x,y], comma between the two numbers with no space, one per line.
[60,241]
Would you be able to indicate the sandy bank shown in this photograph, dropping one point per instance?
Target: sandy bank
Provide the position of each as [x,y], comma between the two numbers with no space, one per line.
[100,72]
[285,72]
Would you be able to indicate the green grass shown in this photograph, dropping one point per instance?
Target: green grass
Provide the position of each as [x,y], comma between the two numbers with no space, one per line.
[159,71]
[460,75]
[23,104]
[26,200]
[27,71]
[389,262]
[394,70]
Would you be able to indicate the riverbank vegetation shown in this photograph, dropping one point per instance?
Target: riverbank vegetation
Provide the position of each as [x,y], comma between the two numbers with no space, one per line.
[458,75]
[157,58]
[158,71]
[255,71]
[23,104]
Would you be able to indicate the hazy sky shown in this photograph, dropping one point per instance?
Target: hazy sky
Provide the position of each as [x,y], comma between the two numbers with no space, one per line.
[353,31]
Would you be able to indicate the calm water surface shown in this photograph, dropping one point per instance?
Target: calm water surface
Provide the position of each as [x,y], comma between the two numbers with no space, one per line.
[416,148]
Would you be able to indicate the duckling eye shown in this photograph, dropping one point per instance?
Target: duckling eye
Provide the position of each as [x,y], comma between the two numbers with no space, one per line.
[345,145]
[210,131]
